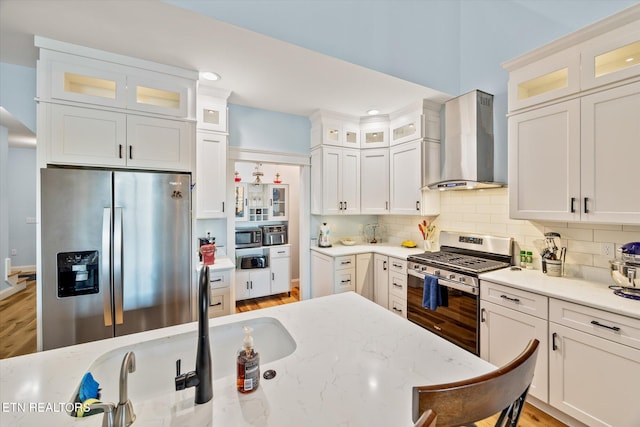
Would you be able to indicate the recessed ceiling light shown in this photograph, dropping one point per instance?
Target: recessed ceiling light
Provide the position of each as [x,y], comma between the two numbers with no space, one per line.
[208,75]
[373,112]
[630,59]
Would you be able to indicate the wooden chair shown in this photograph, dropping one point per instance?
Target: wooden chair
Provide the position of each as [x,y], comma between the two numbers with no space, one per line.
[464,402]
[427,419]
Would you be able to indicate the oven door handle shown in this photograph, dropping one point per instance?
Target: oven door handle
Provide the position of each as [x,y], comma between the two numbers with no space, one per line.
[459,286]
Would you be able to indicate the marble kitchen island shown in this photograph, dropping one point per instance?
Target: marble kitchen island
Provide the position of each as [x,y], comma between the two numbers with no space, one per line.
[354,364]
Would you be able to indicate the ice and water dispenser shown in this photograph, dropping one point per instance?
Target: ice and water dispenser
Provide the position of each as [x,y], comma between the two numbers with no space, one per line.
[78,273]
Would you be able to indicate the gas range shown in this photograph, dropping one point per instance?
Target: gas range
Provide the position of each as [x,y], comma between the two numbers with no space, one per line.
[462,257]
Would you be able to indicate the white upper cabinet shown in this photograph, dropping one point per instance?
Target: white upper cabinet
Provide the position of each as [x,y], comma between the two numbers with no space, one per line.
[374,132]
[335,181]
[416,121]
[374,181]
[154,143]
[610,150]
[211,109]
[611,57]
[159,94]
[334,129]
[211,171]
[552,77]
[544,163]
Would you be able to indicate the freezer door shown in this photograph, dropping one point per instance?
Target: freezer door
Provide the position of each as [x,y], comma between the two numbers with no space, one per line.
[151,267]
[75,279]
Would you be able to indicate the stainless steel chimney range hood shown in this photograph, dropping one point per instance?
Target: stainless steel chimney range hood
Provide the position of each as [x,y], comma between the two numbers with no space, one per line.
[468,147]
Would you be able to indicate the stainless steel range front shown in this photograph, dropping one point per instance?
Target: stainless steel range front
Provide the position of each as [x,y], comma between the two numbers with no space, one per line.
[451,276]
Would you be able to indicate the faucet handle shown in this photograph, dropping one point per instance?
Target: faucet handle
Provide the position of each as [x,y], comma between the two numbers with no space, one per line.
[108,420]
[186,380]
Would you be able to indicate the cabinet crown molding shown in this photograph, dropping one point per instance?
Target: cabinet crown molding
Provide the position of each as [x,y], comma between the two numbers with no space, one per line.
[624,17]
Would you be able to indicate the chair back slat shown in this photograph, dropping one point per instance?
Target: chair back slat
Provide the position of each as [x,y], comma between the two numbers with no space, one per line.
[474,399]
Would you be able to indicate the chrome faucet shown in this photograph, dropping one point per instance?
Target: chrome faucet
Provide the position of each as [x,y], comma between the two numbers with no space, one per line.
[124,412]
[201,377]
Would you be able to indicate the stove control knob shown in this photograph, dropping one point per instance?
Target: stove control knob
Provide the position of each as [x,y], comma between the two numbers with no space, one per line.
[436,272]
[452,276]
[462,279]
[424,268]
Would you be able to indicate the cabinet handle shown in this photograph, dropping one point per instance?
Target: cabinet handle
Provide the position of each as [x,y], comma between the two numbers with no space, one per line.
[270,202]
[247,285]
[418,205]
[384,265]
[251,284]
[516,300]
[396,285]
[345,262]
[613,328]
[120,151]
[386,206]
[586,207]
[273,276]
[222,207]
[345,281]
[573,208]
[345,206]
[281,252]
[397,265]
[340,208]
[397,309]
[130,152]
[216,304]
[482,315]
[217,280]
[554,347]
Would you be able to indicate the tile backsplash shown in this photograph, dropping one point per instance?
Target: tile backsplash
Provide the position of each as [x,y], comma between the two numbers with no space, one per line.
[487,212]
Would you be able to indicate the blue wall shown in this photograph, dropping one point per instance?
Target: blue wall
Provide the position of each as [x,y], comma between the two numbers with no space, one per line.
[256,129]
[17,93]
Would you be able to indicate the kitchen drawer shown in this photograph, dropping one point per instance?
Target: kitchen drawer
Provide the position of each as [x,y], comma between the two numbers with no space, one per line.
[219,279]
[280,252]
[345,281]
[344,262]
[219,303]
[516,299]
[398,305]
[399,265]
[397,284]
[615,327]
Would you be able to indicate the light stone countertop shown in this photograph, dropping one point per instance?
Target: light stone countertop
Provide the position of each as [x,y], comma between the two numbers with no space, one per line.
[592,294]
[396,251]
[354,366]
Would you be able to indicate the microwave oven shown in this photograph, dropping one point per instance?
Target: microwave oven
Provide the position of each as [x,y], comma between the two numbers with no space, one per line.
[248,238]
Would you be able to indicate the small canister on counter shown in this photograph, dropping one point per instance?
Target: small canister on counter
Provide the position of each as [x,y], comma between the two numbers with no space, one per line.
[554,267]
[208,254]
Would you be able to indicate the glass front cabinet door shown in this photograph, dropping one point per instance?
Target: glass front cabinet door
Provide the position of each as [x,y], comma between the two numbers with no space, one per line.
[279,202]
[241,202]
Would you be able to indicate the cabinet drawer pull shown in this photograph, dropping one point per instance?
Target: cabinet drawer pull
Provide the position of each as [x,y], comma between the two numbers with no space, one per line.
[345,262]
[397,286]
[397,265]
[397,309]
[216,304]
[586,207]
[345,281]
[573,208]
[516,300]
[281,252]
[613,328]
[219,279]
[553,341]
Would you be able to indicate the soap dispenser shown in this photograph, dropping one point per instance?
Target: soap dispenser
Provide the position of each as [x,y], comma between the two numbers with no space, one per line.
[248,364]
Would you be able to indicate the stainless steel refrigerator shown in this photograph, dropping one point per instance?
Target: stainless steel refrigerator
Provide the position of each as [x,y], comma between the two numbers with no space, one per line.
[115,253]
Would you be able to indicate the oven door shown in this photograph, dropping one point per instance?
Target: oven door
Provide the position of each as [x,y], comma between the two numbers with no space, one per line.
[457,322]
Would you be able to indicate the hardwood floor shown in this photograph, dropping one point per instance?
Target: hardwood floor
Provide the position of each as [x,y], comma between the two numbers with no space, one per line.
[530,416]
[18,322]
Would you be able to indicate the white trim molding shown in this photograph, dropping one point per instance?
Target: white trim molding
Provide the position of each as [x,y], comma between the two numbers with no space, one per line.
[249,155]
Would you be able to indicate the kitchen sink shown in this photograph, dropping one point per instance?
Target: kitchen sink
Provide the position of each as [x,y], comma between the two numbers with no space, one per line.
[156,359]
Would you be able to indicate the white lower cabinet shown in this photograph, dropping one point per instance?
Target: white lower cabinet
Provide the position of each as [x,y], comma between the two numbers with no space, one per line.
[280,266]
[331,275]
[344,268]
[253,283]
[364,275]
[594,365]
[219,293]
[390,283]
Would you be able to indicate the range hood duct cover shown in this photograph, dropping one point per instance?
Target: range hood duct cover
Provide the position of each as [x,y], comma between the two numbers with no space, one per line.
[468,148]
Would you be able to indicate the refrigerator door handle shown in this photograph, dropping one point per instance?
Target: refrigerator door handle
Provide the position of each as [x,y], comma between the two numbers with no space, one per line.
[117,267]
[106,273]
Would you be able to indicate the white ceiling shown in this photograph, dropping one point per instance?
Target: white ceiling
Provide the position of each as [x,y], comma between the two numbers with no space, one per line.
[261,72]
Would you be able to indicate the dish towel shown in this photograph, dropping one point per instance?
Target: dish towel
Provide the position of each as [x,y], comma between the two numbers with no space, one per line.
[433,294]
